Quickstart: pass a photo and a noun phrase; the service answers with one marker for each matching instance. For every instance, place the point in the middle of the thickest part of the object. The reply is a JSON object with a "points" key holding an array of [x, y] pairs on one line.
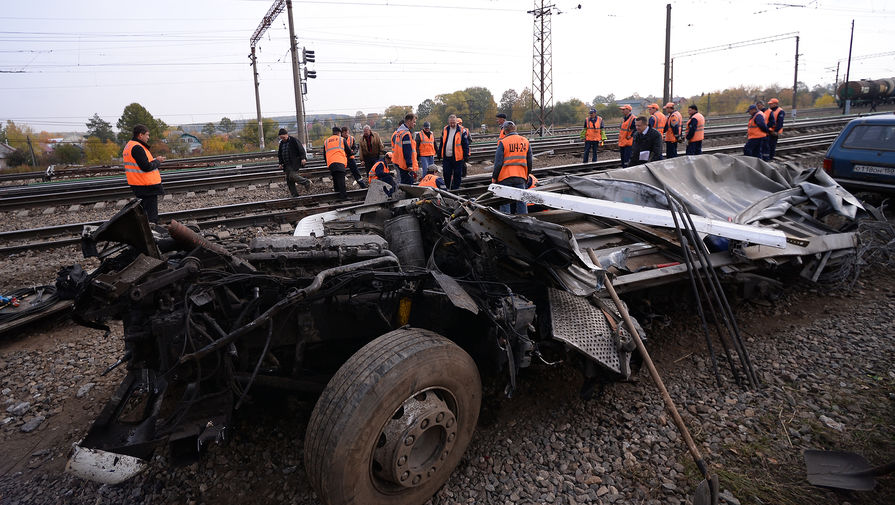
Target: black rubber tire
{"points": [[361, 397]]}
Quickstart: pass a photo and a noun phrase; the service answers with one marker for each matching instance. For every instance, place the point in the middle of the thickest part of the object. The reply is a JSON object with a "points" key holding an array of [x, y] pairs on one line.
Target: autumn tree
{"points": [[99, 128], [135, 114], [394, 114], [100, 152]]}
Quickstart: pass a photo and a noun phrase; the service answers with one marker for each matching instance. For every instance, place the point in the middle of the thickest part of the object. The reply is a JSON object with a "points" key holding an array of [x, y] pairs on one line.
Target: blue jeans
{"points": [[694, 148], [588, 145], [757, 148], [772, 146], [425, 161], [453, 172], [625, 154], [517, 207]]}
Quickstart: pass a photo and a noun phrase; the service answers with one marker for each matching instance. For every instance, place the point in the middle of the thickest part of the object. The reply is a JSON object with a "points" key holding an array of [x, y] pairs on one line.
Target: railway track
{"points": [[290, 210]]}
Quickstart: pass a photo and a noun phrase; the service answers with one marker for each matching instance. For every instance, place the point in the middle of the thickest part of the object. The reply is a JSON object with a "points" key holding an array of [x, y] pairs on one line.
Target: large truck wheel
{"points": [[394, 421]]}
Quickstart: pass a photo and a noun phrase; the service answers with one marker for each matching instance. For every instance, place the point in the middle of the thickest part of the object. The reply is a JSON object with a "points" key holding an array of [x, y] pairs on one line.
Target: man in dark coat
{"points": [[292, 157], [647, 143]]}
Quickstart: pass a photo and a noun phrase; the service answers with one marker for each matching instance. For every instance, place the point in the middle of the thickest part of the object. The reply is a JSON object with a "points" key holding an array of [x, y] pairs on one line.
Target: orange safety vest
{"points": [[515, 157], [754, 132], [398, 150], [626, 132], [135, 176], [659, 121], [699, 134], [674, 121], [458, 141], [349, 141], [594, 128], [502, 134], [372, 177], [334, 150], [427, 144], [767, 114], [776, 114], [429, 181]]}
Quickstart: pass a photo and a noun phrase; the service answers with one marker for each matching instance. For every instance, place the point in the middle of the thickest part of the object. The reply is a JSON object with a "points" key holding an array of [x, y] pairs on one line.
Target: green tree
{"points": [[249, 134], [481, 107], [571, 112], [226, 125], [2, 134], [135, 114], [18, 158], [425, 108], [97, 127], [209, 129], [507, 102], [68, 153], [99, 152], [394, 114]]}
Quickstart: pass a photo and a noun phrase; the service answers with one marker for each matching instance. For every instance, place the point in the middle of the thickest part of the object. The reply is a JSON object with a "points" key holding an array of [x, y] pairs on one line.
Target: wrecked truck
{"points": [[388, 310]]}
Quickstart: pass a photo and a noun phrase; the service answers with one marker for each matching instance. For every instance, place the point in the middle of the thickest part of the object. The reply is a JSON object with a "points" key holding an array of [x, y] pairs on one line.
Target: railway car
{"points": [[867, 91]]}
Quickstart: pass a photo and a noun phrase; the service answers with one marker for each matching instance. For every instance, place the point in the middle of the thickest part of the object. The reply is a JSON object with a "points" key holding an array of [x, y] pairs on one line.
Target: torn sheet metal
{"points": [[455, 292], [583, 326], [103, 466], [641, 214]]}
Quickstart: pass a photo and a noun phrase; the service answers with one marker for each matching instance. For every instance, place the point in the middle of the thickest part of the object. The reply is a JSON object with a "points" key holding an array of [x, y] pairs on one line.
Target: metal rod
{"points": [[847, 105], [795, 80], [665, 82]]}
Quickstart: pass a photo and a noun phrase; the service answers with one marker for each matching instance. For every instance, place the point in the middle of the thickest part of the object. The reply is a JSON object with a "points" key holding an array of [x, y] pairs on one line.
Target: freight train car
{"points": [[867, 91]]}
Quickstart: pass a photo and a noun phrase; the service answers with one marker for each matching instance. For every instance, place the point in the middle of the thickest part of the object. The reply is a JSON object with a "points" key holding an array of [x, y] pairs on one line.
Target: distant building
{"points": [[5, 151], [193, 143], [637, 106]]}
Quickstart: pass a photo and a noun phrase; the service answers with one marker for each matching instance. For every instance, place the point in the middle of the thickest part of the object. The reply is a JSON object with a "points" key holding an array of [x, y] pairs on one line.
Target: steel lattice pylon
{"points": [[542, 69]]}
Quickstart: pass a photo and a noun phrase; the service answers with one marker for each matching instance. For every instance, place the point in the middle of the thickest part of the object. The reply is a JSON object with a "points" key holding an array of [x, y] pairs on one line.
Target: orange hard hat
{"points": [[669, 104], [653, 106]]}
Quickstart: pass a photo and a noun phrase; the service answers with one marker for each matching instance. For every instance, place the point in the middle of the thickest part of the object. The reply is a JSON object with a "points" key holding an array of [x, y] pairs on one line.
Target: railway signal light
{"points": [[308, 56]]}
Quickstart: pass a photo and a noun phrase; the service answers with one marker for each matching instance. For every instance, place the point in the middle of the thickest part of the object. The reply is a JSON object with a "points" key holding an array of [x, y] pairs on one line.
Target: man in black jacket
{"points": [[292, 157], [647, 143]]}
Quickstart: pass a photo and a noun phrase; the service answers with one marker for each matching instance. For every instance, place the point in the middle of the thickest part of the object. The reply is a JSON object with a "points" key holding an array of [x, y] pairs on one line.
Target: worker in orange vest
{"points": [[757, 134], [656, 119], [141, 171], [404, 150], [425, 145], [454, 152], [351, 145], [335, 150], [626, 134], [775, 125], [381, 171], [673, 126], [512, 165], [593, 134], [695, 130], [431, 179], [501, 119]]}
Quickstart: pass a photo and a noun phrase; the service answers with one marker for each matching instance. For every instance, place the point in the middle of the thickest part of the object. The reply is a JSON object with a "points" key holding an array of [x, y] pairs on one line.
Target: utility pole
{"points": [[266, 21], [257, 100], [299, 102], [795, 80], [666, 84], [671, 81], [847, 107], [837, 76], [542, 67], [31, 147]]}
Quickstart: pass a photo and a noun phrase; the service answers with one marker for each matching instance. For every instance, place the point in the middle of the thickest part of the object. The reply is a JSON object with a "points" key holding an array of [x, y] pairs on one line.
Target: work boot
{"points": [[306, 183]]}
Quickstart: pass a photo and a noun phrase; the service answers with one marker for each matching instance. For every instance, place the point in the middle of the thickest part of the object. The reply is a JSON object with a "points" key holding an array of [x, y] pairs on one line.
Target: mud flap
{"points": [[583, 326]]}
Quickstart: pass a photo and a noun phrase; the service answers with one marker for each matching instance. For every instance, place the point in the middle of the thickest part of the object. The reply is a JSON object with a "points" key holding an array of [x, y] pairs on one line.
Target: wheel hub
{"points": [[415, 441]]}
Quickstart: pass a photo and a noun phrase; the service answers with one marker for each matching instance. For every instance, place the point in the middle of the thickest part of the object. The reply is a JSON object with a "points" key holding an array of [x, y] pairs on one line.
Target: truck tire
{"points": [[394, 421]]}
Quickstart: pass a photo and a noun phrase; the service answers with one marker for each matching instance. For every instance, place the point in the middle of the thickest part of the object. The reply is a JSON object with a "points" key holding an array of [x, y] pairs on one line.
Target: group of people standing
{"points": [[765, 127], [640, 138]]}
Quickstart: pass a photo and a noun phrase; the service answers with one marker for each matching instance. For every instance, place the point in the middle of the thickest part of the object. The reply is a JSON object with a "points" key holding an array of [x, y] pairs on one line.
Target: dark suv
{"points": [[863, 156]]}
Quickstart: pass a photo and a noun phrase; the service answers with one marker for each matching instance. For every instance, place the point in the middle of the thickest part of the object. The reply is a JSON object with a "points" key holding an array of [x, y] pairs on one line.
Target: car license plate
{"points": [[868, 169]]}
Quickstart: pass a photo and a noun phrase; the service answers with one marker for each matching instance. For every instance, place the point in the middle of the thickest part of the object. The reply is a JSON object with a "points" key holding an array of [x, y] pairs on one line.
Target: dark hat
{"points": [[427, 124], [502, 115], [753, 106], [593, 110], [283, 132]]}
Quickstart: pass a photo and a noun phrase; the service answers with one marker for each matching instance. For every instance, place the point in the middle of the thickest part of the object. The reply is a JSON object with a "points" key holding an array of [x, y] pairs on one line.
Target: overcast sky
{"points": [[186, 61]]}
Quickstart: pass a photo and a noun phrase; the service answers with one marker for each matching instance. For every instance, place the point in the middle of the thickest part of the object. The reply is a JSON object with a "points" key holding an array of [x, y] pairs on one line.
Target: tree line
{"points": [[475, 105]]}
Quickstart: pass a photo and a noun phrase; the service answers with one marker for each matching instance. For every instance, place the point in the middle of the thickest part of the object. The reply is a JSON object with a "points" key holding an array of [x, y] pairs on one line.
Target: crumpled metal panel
{"points": [[580, 324]]}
